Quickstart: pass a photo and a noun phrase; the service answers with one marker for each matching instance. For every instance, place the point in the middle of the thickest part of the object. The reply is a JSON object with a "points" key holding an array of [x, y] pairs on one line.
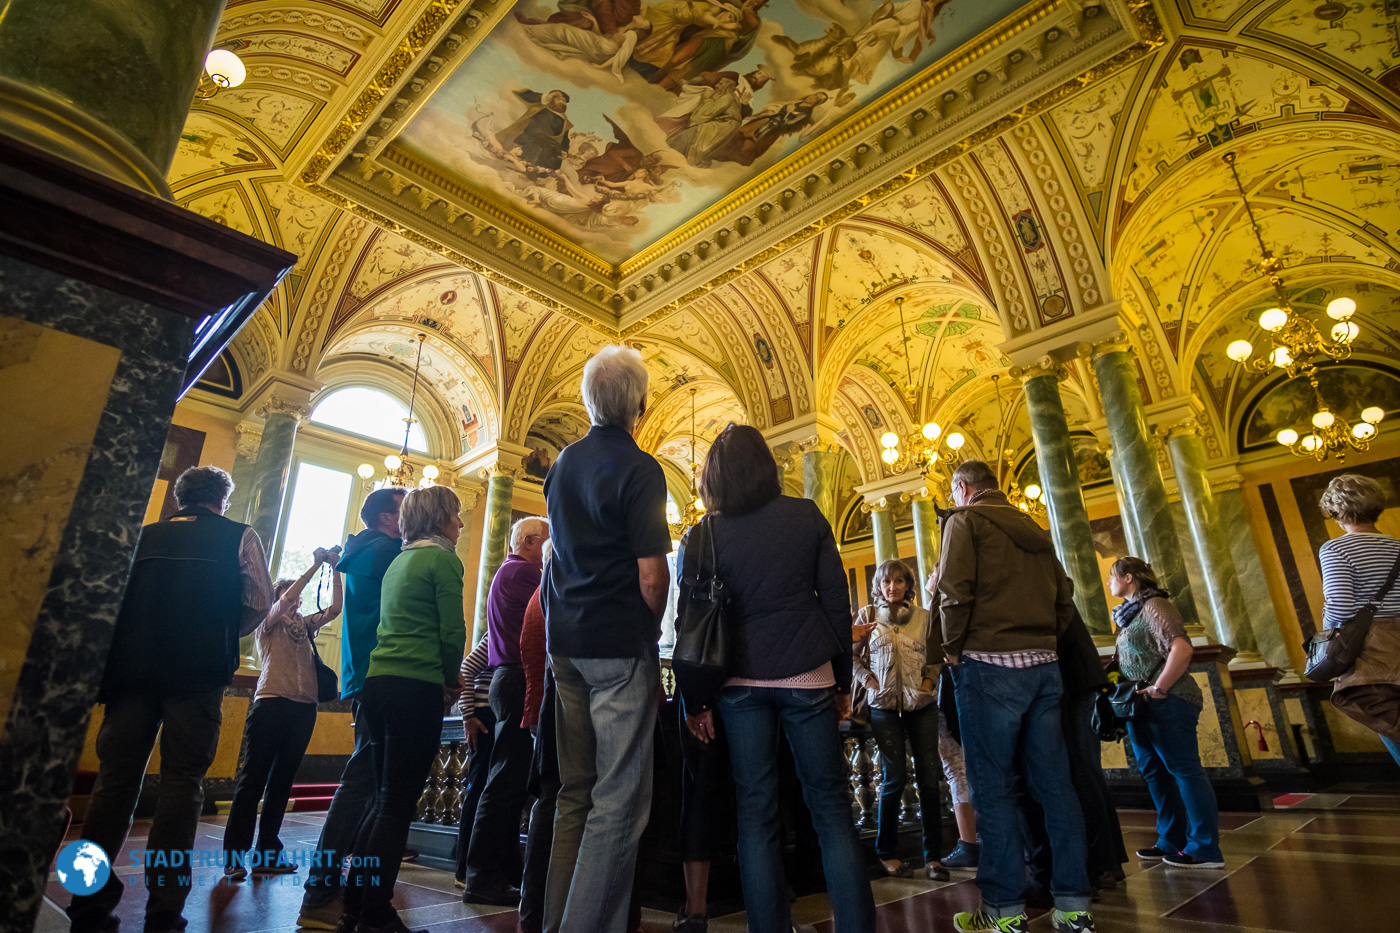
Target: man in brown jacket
{"points": [[1005, 599]]}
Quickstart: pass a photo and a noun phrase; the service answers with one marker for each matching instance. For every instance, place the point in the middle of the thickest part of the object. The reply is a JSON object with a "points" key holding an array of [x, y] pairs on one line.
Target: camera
{"points": [[323, 554]]}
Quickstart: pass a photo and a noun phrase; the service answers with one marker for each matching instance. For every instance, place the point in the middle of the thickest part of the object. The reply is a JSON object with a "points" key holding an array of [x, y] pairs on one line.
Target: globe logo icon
{"points": [[83, 867]]}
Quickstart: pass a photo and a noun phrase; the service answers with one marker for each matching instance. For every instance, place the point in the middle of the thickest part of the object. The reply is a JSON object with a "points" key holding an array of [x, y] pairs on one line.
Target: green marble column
{"points": [[818, 484], [1258, 602], [494, 539], [270, 471], [1131, 532], [245, 456], [882, 523], [104, 83], [1064, 496], [926, 540], [1227, 606], [1141, 478]]}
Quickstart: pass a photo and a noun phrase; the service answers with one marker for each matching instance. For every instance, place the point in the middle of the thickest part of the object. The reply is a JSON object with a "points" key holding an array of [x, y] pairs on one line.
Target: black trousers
{"points": [[278, 732], [544, 783], [405, 733], [493, 857], [707, 793], [1102, 834], [188, 725], [477, 771]]}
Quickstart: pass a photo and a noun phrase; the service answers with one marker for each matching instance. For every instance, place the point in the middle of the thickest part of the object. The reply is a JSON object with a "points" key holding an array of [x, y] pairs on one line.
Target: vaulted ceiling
{"points": [[1009, 177]]}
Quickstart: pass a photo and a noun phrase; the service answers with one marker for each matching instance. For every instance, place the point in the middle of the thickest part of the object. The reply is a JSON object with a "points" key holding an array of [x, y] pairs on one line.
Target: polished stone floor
{"points": [[1311, 863]]}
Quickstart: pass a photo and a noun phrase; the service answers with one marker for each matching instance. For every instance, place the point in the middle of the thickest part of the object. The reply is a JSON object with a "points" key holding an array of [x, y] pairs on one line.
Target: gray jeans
{"points": [[606, 714]]}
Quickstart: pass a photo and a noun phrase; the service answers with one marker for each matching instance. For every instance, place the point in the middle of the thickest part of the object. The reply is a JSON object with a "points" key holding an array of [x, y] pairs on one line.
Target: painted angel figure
{"points": [[607, 52]]}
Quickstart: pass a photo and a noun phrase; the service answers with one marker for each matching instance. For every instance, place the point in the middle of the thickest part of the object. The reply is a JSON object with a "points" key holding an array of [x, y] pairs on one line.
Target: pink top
{"points": [[284, 652], [818, 678]]}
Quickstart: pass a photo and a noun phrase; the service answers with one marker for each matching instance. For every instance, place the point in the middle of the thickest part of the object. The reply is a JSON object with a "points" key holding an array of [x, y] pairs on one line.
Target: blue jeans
{"points": [[349, 806], [920, 728], [752, 717], [605, 719], [1008, 715], [1164, 743]]}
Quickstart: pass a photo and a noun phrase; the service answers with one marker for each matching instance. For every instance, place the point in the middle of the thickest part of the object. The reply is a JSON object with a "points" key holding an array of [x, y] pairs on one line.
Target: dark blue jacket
{"points": [[789, 609]]}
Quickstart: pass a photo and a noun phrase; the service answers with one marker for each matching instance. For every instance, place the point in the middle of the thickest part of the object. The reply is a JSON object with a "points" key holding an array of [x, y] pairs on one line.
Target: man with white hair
{"points": [[604, 594], [493, 864]]}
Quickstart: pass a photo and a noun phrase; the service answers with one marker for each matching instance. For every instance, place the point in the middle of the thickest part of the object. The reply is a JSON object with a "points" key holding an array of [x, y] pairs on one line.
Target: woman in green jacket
{"points": [[413, 678]]}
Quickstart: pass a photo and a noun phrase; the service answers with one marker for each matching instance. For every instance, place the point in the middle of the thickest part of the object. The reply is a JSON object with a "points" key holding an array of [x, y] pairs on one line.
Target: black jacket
{"points": [[1081, 668], [788, 607]]}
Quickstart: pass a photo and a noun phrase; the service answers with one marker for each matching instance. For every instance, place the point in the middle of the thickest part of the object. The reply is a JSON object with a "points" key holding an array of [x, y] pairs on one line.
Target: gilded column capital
{"points": [[817, 444], [882, 504], [1182, 428], [279, 405], [493, 470], [1113, 343], [1045, 366], [922, 494], [469, 493], [249, 437]]}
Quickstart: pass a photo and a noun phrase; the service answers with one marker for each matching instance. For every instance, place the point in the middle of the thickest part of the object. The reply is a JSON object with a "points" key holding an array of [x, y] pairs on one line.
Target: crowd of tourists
{"points": [[983, 674]]}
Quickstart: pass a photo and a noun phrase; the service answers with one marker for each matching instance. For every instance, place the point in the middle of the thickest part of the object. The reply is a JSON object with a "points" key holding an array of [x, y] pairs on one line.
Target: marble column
{"points": [[1227, 606], [270, 470], [1234, 518], [245, 455], [470, 495], [104, 83], [1140, 478], [1131, 533], [1062, 493], [882, 524], [500, 488], [818, 483], [926, 538]]}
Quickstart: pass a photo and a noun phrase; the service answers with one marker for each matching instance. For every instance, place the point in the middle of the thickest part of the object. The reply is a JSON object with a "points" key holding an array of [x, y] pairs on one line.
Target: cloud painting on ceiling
{"points": [[613, 121]]}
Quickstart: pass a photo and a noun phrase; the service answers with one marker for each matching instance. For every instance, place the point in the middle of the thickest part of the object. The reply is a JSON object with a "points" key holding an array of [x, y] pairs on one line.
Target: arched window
{"points": [[369, 413]]}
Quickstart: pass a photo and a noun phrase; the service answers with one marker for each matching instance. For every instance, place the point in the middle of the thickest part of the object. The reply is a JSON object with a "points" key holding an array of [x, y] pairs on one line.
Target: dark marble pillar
{"points": [[495, 534], [1208, 536], [104, 286], [1141, 477], [1131, 533], [1062, 493]]}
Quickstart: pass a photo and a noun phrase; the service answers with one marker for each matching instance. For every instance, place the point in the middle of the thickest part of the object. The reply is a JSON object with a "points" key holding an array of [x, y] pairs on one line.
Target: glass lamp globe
{"points": [[1273, 319], [424, 483], [1281, 358], [225, 68], [365, 471], [1363, 431], [1323, 419], [1345, 332], [1288, 437], [956, 441], [699, 506], [888, 455], [430, 472], [673, 514], [889, 439], [1032, 491], [392, 462], [1341, 308], [1373, 414], [1311, 442], [932, 430], [1239, 351]]}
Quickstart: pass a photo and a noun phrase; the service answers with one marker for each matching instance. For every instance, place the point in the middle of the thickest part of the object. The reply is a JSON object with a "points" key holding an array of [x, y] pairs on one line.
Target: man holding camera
{"points": [[366, 558]]}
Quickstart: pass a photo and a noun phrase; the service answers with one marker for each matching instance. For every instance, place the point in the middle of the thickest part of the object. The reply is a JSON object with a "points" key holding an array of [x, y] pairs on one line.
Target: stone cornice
{"points": [[1061, 341]]}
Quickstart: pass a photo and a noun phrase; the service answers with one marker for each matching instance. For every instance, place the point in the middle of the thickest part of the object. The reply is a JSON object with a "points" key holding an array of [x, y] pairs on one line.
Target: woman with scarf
{"points": [[1153, 650], [898, 664]]}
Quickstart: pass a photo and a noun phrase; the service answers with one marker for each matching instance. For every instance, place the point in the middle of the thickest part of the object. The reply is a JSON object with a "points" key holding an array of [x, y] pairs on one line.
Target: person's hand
{"points": [[860, 631], [318, 557], [1154, 691], [931, 584], [843, 707], [702, 726], [872, 684], [471, 728], [333, 558], [951, 659], [452, 692]]}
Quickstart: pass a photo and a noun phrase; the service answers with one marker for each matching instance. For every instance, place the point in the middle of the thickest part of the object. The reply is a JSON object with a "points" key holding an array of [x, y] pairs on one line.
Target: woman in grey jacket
{"points": [[897, 664]]}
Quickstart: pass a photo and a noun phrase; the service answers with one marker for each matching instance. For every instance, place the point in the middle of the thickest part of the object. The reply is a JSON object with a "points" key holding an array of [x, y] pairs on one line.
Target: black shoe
{"points": [[964, 855], [1105, 880], [508, 896], [1152, 854], [690, 923], [280, 867], [235, 873], [935, 872], [1186, 861], [347, 924]]}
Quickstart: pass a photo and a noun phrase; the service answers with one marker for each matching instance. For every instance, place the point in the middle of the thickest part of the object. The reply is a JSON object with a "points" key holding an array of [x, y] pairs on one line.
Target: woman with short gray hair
{"points": [[615, 387], [1355, 568]]}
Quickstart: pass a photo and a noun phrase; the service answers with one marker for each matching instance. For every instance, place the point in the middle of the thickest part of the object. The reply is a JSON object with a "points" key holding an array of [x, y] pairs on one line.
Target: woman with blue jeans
{"points": [[1153, 650], [789, 675]]}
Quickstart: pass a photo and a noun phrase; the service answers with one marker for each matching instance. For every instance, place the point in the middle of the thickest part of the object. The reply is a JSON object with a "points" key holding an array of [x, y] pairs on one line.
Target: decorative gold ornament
{"points": [[1329, 435], [398, 471], [679, 519]]}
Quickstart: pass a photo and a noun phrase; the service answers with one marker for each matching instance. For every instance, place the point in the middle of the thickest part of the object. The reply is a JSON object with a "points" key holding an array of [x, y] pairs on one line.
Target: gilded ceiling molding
{"points": [[1043, 367], [350, 233]]}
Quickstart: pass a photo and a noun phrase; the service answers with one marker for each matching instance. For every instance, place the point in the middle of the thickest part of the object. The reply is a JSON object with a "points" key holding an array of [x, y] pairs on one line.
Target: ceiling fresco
{"points": [[1060, 192], [612, 122]]}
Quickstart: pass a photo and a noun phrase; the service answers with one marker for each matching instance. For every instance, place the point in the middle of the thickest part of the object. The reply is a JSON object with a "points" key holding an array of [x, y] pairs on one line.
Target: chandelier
{"points": [[1027, 500], [398, 471], [1294, 341], [920, 451], [694, 508], [1330, 435], [222, 69]]}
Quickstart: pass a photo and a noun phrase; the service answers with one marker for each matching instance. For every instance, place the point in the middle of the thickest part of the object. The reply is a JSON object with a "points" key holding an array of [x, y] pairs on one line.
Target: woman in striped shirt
{"points": [[1355, 569]]}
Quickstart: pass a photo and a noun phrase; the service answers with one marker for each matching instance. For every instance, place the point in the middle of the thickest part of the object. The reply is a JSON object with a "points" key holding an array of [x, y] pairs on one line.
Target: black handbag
{"points": [[700, 658], [327, 684], [1104, 719], [1127, 703], [1332, 653]]}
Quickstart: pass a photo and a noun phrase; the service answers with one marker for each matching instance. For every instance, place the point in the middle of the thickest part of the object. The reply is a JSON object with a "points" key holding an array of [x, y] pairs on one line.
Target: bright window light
{"points": [[369, 413]]}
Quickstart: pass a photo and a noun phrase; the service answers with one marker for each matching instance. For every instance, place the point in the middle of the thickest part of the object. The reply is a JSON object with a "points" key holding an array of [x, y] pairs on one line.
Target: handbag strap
{"points": [[1386, 587]]}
